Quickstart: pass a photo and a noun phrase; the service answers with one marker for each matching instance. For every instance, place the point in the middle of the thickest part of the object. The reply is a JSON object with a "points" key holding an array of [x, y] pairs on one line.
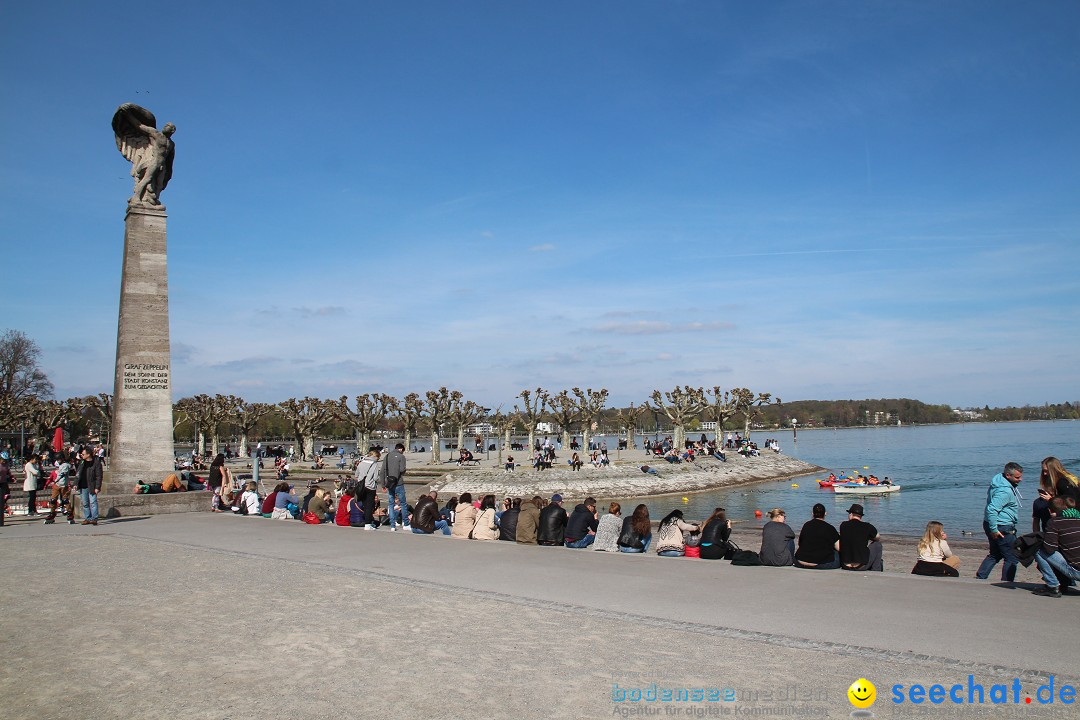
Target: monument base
{"points": [[114, 505]]}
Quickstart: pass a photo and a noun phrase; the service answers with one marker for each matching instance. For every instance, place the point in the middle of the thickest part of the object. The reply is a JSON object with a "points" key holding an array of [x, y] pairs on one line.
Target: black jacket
{"points": [[425, 514], [715, 533], [629, 538], [89, 474], [508, 525], [580, 523], [552, 525]]}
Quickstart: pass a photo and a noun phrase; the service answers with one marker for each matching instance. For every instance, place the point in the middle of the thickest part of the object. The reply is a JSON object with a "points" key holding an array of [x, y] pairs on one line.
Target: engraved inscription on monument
{"points": [[145, 376]]}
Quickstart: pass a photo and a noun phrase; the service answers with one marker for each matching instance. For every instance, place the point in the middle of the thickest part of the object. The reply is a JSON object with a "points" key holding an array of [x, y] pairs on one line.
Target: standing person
{"points": [[89, 475], [999, 522], [32, 468], [860, 543], [216, 482], [367, 485], [393, 468], [61, 490], [5, 488], [777, 540]]}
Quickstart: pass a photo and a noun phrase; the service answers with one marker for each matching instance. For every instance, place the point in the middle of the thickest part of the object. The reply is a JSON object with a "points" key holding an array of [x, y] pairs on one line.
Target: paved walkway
{"points": [[210, 616]]}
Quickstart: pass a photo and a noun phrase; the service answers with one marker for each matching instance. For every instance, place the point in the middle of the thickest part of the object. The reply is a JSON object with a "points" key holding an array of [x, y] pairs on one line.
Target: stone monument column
{"points": [[142, 426], [141, 450]]}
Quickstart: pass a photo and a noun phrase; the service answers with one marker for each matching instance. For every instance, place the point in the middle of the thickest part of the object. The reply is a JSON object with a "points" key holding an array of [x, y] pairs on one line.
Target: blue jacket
{"points": [[1002, 507]]}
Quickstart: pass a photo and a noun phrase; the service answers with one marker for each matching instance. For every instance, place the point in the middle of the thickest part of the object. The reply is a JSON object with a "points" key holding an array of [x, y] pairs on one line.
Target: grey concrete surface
{"points": [[211, 616]]}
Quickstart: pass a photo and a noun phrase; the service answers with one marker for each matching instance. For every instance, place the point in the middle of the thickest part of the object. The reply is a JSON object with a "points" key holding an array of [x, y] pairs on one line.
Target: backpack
{"points": [[738, 556]]}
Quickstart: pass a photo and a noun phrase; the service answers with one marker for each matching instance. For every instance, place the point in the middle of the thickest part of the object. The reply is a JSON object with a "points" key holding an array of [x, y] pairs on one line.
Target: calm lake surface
{"points": [[944, 471]]}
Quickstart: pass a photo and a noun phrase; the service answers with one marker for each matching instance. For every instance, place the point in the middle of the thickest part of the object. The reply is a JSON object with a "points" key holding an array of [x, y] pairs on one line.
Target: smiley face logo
{"points": [[862, 693]]}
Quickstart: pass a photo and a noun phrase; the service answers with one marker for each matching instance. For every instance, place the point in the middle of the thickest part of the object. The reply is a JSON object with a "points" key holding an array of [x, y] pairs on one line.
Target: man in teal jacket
{"points": [[999, 522]]}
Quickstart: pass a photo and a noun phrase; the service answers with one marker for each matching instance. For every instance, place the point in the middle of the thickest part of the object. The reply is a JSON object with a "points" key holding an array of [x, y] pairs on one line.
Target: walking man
{"points": [[89, 477], [999, 522], [394, 482]]}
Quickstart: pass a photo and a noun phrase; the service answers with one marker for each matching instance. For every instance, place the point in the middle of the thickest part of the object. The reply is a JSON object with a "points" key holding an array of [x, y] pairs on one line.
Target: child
{"points": [[935, 557]]}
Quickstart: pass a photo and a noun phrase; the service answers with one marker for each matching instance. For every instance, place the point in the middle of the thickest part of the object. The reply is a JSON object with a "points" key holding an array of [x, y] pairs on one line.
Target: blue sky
{"points": [[817, 199]]}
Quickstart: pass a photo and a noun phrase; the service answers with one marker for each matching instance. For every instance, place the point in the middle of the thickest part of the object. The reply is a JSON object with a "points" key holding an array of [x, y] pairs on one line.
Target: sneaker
{"points": [[369, 527], [70, 521], [1047, 591], [393, 528], [47, 521], [85, 522]]}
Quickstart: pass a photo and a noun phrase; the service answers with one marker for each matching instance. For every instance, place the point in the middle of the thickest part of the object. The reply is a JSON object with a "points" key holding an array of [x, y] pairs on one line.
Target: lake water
{"points": [[944, 471]]}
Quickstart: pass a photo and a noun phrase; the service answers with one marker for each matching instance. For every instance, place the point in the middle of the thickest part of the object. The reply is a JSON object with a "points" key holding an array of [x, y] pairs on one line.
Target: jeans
{"points": [[439, 525], [582, 543], [635, 550], [831, 565], [1055, 570], [89, 504], [1000, 549], [398, 491], [670, 553]]}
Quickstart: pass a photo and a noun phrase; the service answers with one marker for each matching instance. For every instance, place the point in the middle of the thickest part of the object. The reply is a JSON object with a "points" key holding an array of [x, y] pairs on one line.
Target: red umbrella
{"points": [[58, 440]]}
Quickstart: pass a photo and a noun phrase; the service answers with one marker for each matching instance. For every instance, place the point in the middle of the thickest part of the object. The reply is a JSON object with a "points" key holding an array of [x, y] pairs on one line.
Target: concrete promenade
{"points": [[212, 616]]}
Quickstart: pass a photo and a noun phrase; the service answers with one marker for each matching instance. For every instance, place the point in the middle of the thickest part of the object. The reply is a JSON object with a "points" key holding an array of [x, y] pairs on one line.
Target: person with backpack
{"points": [[366, 485], [393, 480], [61, 491]]}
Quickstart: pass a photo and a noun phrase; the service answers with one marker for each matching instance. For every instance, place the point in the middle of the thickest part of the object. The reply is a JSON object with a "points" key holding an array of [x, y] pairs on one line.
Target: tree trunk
{"points": [[408, 440], [214, 443], [630, 444], [565, 439], [460, 437], [242, 450], [532, 438], [309, 447], [746, 429], [679, 436], [201, 443], [364, 442], [436, 456], [585, 438]]}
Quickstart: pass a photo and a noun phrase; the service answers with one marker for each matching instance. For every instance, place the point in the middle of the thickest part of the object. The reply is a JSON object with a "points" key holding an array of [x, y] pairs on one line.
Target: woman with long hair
{"points": [[935, 557], [485, 526], [636, 531], [464, 517], [670, 541], [714, 535], [1054, 481]]}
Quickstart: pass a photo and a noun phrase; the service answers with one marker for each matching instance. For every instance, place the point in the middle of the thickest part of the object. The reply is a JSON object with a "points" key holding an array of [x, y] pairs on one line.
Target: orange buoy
{"points": [[757, 513]]}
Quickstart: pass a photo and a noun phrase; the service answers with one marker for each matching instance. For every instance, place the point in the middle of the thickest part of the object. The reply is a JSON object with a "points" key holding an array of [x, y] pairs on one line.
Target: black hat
{"points": [[856, 509]]}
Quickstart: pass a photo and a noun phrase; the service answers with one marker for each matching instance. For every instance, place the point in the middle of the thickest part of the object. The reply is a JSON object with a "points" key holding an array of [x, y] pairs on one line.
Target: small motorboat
{"points": [[858, 489]]}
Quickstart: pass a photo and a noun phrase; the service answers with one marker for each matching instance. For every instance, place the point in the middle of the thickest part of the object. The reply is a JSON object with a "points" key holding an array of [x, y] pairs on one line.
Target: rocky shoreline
{"points": [[624, 477]]}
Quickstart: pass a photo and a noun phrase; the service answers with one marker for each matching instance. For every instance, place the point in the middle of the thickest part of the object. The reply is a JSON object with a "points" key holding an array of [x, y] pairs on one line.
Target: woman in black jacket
{"points": [[714, 535], [636, 531]]}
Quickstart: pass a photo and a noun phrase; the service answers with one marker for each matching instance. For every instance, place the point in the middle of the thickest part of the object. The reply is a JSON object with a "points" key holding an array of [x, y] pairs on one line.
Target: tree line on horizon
{"points": [[26, 402]]}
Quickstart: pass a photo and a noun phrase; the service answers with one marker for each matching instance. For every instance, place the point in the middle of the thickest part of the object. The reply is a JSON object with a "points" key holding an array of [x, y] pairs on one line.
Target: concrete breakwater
{"points": [[624, 478]]}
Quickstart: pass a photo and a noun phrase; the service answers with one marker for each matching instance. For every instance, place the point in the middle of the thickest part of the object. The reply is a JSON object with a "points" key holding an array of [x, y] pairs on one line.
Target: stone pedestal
{"points": [[141, 447]]}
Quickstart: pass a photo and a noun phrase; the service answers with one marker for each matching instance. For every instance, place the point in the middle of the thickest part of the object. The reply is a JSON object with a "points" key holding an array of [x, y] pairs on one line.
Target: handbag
{"points": [[310, 518]]}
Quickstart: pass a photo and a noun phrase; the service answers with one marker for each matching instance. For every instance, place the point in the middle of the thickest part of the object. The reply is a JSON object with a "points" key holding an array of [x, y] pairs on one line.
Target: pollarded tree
{"points": [[200, 410], [502, 423], [680, 406], [721, 406], [408, 413], [371, 411], [628, 420], [437, 406], [535, 403], [307, 417], [463, 414], [748, 405], [590, 404], [219, 411], [245, 416], [565, 411]]}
